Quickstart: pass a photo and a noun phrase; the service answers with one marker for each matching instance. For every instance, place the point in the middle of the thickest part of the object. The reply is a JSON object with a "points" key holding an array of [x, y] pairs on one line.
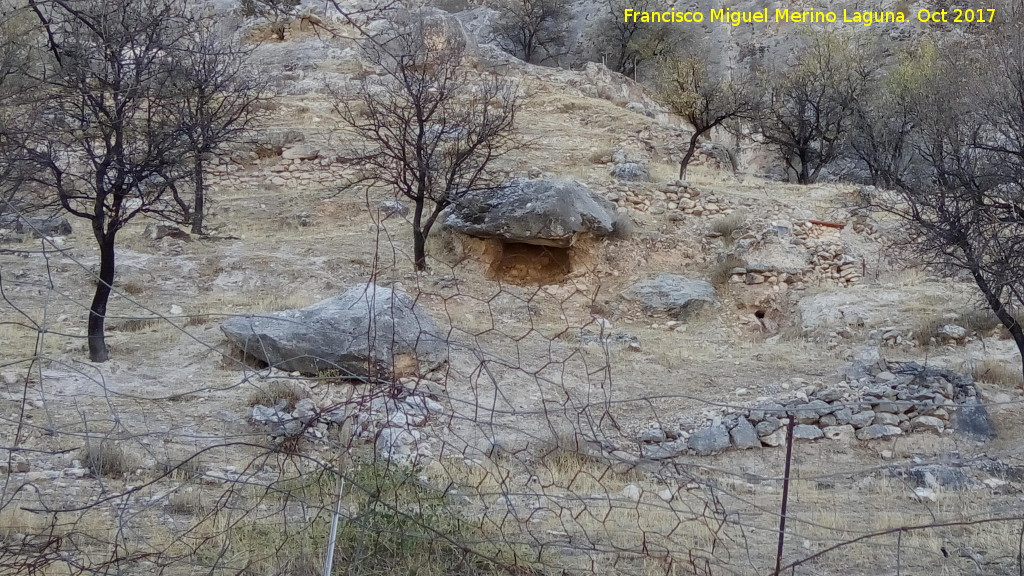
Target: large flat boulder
{"points": [[671, 295], [369, 330], [543, 211]]}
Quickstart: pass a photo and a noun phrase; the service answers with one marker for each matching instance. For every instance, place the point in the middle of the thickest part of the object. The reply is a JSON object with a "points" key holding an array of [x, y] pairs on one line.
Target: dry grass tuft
{"points": [[622, 228], [136, 324], [133, 288], [188, 501], [997, 372], [14, 520], [279, 390], [722, 271], [107, 458], [726, 226], [978, 320], [926, 329]]}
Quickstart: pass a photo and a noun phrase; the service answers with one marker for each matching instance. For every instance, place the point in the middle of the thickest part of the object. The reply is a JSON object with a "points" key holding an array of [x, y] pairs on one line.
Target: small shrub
{"points": [[928, 328], [136, 324], [133, 288], [107, 458], [273, 393], [726, 226], [186, 501], [722, 271], [622, 228], [997, 372], [977, 320]]}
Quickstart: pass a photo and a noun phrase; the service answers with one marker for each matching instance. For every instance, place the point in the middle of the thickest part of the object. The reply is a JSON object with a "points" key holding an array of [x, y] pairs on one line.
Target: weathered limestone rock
{"points": [[709, 440], [673, 295], [545, 212], [369, 330]]}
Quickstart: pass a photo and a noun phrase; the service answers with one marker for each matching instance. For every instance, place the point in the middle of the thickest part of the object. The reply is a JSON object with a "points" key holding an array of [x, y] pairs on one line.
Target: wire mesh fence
{"points": [[543, 440]]}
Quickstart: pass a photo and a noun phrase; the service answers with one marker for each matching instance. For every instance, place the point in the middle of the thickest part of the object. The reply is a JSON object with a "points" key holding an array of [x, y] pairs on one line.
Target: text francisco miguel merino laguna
{"points": [[866, 18]]}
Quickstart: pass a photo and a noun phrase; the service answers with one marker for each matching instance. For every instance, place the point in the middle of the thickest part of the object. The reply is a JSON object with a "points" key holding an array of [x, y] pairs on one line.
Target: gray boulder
{"points": [[43, 227], [367, 331], [393, 208], [543, 211], [876, 431], [631, 172], [807, 432], [709, 440], [937, 475], [744, 435], [670, 294], [972, 420], [300, 152]]}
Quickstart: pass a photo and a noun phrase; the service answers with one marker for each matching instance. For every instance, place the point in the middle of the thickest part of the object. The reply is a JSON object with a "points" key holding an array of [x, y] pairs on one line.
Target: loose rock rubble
{"points": [[393, 421], [675, 197], [903, 398]]}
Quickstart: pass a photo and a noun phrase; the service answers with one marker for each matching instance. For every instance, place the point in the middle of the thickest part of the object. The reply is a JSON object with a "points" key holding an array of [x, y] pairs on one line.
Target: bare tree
{"points": [[111, 142], [624, 45], [532, 30], [218, 93], [808, 112], [277, 11], [960, 189], [19, 55], [430, 127], [692, 90]]}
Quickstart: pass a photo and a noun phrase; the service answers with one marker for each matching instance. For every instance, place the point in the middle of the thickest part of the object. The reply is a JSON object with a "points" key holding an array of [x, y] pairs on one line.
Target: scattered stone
{"points": [[673, 295], [877, 431], [885, 418], [744, 435], [925, 494], [767, 426], [972, 420], [807, 432], [423, 405], [929, 423], [776, 438], [367, 331], [952, 333], [300, 152], [397, 444], [994, 483], [862, 419], [155, 231], [938, 476], [652, 436], [663, 451], [16, 465], [709, 440], [632, 492], [844, 433], [43, 227], [393, 208], [631, 172]]}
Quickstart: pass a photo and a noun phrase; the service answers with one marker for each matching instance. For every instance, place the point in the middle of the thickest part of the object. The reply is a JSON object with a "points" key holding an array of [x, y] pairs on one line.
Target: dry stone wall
{"points": [[902, 398]]}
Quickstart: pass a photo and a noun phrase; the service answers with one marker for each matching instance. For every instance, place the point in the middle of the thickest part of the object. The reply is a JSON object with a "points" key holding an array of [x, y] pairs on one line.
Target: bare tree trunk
{"points": [[804, 177], [98, 310], [1007, 319], [419, 237], [685, 162], [199, 206]]}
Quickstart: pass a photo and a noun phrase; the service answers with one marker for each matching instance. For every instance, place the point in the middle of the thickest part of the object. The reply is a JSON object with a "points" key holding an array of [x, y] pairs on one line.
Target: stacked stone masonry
{"points": [[905, 398]]}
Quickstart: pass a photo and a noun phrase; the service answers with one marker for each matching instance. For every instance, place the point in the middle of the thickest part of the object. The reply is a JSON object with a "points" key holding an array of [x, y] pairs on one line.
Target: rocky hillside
{"points": [[599, 372]]}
